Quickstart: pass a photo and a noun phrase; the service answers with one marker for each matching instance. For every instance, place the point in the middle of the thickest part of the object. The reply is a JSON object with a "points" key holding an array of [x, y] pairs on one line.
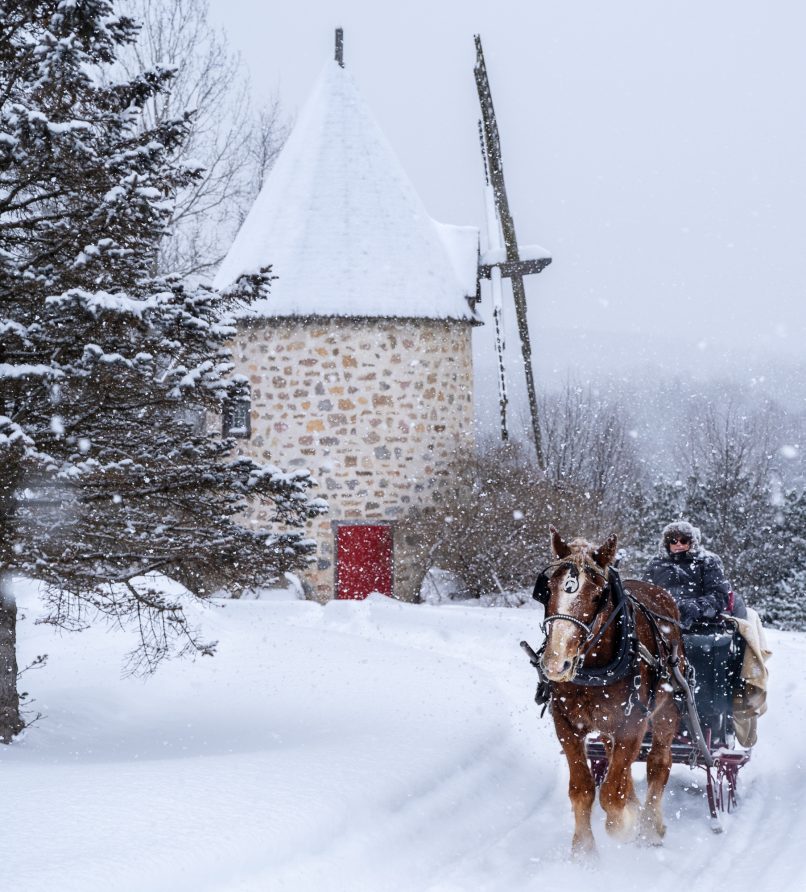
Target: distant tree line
{"points": [[735, 472]]}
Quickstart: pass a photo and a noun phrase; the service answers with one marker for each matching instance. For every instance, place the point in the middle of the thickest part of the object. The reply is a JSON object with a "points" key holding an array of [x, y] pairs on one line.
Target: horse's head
{"points": [[575, 584]]}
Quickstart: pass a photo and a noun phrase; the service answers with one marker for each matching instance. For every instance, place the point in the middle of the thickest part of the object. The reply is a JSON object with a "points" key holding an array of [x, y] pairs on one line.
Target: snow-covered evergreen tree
{"points": [[759, 534], [647, 513], [782, 602], [107, 375], [784, 607]]}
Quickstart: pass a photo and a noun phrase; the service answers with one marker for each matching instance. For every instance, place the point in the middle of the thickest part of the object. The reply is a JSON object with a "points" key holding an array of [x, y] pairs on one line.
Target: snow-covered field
{"points": [[359, 746]]}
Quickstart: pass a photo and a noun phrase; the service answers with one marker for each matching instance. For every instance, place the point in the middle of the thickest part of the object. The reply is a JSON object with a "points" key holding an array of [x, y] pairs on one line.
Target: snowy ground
{"points": [[360, 746]]}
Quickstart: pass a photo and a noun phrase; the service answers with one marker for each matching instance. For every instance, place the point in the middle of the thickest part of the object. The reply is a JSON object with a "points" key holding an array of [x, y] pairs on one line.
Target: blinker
{"points": [[541, 591]]}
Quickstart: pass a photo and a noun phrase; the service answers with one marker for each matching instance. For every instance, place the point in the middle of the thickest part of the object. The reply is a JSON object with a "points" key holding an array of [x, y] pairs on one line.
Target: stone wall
{"points": [[374, 408]]}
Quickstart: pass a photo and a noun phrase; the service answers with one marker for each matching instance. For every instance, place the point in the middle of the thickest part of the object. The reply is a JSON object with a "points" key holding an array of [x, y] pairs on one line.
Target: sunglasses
{"points": [[681, 540]]}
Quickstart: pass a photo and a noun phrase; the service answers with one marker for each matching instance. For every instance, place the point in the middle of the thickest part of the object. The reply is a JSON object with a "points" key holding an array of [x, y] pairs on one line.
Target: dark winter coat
{"points": [[695, 577]]}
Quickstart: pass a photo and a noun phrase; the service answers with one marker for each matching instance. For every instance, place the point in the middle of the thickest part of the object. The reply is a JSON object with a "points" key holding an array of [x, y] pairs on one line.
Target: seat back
{"points": [[711, 655]]}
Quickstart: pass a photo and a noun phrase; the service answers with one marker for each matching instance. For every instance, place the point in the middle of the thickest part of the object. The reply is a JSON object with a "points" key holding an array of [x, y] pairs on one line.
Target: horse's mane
{"points": [[582, 554], [657, 599]]}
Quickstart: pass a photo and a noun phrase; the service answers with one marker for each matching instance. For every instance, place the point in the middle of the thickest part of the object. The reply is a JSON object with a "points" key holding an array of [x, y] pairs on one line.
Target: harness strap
{"points": [[543, 693], [600, 634], [571, 619], [661, 661], [656, 616], [646, 655]]}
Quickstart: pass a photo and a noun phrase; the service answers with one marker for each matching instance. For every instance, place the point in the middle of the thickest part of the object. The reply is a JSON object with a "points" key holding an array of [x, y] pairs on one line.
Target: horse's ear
{"points": [[560, 549], [606, 554]]}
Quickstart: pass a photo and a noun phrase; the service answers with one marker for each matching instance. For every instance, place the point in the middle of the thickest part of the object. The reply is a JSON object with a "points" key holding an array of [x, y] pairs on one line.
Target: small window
{"points": [[237, 420], [195, 419]]}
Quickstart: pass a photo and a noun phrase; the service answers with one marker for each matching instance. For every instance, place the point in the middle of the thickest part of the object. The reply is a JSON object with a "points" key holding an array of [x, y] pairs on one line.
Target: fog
{"points": [[657, 152]]}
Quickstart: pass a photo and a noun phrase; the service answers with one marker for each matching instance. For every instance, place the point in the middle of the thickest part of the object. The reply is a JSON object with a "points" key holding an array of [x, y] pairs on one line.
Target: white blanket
{"points": [[750, 696]]}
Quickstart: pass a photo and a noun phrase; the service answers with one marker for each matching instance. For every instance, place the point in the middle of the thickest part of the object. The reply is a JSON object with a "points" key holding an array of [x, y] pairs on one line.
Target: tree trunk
{"points": [[11, 721]]}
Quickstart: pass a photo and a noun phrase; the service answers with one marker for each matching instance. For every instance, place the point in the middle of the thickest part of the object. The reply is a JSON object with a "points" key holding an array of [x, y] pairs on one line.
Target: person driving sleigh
{"points": [[692, 574]]}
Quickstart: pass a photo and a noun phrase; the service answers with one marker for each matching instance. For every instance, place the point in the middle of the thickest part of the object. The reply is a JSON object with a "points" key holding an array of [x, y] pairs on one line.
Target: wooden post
{"points": [[492, 142]]}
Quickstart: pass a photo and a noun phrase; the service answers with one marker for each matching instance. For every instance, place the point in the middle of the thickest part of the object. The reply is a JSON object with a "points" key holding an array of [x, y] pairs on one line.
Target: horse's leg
{"points": [[617, 795], [658, 766], [581, 788]]}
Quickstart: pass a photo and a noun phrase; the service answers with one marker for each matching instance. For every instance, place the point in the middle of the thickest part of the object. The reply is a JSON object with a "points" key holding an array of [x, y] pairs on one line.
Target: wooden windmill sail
{"points": [[504, 258]]}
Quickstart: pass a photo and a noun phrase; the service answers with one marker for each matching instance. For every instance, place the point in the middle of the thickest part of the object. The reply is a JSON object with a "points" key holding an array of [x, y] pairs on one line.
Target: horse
{"points": [[606, 661]]}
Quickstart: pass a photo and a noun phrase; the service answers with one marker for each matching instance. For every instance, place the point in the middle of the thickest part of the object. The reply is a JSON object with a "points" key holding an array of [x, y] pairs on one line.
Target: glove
{"points": [[689, 614]]}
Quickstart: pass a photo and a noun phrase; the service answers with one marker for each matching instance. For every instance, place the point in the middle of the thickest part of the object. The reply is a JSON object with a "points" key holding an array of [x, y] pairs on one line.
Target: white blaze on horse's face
{"points": [[564, 637]]}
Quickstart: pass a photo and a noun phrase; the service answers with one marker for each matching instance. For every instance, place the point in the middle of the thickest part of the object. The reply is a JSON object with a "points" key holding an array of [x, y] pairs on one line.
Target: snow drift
{"points": [[361, 746]]}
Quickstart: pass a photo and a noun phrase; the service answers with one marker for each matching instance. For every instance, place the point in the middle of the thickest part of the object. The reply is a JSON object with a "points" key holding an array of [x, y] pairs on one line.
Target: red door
{"points": [[363, 560]]}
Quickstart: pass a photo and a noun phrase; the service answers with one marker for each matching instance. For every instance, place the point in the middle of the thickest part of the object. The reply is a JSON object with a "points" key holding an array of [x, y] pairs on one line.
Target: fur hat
{"points": [[680, 528]]}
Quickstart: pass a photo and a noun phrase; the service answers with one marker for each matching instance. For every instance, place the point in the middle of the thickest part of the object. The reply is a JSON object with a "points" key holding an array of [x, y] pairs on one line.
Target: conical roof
{"points": [[343, 227]]}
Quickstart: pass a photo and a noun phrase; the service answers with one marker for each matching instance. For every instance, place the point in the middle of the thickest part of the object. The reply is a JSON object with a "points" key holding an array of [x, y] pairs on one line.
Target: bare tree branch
{"points": [[232, 142]]}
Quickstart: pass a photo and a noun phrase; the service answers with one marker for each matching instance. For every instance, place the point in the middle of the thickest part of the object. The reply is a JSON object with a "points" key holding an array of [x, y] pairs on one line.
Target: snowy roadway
{"points": [[361, 746]]}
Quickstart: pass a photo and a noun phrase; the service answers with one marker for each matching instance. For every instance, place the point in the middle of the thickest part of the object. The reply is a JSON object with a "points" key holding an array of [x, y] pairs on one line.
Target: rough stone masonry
{"points": [[375, 409]]}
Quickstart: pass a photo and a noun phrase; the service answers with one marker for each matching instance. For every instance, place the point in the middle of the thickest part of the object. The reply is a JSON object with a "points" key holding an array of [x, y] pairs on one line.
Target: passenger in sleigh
{"points": [[694, 576], [696, 579]]}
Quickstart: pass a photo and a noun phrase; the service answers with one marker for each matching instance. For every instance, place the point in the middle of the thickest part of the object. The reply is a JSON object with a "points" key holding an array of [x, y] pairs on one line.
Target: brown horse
{"points": [[625, 697]]}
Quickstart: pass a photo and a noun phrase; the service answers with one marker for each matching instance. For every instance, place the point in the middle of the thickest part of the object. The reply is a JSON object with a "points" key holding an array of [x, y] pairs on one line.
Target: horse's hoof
{"points": [[651, 833], [623, 827], [585, 857], [650, 840], [584, 850]]}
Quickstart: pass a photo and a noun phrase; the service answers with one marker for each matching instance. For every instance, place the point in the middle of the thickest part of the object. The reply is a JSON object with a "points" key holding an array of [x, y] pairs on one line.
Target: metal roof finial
{"points": [[340, 46]]}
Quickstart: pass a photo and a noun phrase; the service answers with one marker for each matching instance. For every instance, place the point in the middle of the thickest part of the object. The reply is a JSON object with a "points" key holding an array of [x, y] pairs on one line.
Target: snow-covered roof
{"points": [[343, 227]]}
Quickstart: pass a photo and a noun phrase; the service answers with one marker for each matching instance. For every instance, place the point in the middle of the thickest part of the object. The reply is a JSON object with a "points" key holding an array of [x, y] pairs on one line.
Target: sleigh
{"points": [[715, 658]]}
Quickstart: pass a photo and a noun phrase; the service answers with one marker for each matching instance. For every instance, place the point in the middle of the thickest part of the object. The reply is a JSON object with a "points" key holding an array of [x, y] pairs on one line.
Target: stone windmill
{"points": [[360, 359]]}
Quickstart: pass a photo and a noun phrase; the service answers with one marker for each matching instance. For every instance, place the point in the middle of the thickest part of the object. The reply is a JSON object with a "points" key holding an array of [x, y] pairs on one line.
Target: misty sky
{"points": [[657, 150]]}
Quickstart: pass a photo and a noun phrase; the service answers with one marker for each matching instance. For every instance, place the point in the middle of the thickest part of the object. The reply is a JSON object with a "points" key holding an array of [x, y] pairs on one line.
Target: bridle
{"points": [[571, 586]]}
